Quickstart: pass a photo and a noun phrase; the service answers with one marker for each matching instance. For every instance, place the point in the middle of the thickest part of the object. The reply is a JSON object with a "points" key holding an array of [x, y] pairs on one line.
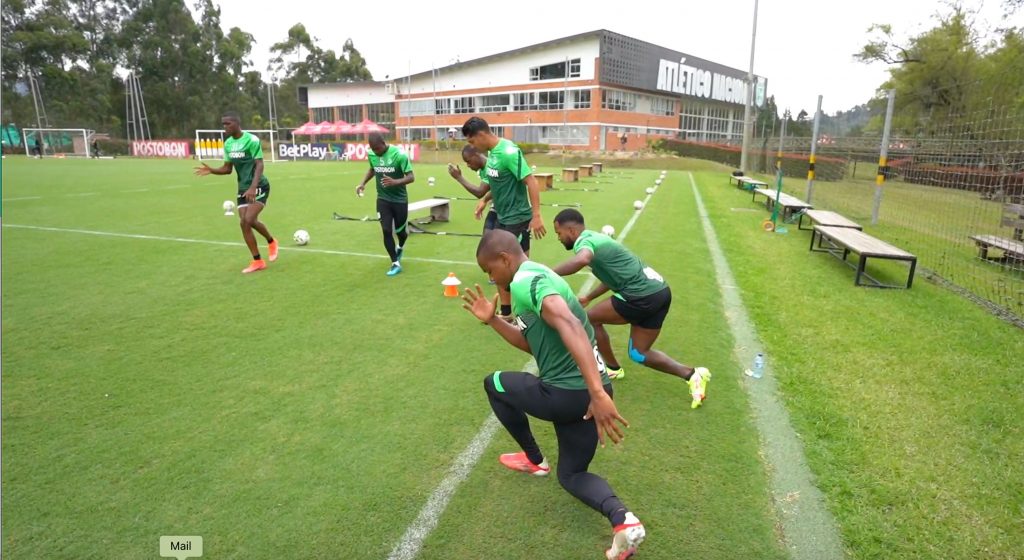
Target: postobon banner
{"points": [[161, 148]]}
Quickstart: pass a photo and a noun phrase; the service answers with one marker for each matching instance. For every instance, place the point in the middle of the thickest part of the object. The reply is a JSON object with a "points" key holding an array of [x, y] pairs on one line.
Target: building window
{"points": [[580, 99], [663, 106], [443, 106], [492, 103], [550, 100], [556, 71], [321, 114], [463, 105], [616, 100], [351, 113], [416, 107], [381, 113], [411, 134]]}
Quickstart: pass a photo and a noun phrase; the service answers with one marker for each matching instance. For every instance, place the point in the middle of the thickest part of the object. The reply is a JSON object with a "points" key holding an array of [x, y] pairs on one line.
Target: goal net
{"points": [[210, 144], [57, 142]]}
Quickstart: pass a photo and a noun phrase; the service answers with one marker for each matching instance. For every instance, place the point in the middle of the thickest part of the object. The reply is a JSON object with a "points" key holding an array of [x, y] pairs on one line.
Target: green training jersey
{"points": [[618, 268], [532, 283], [395, 164], [242, 153], [505, 171]]}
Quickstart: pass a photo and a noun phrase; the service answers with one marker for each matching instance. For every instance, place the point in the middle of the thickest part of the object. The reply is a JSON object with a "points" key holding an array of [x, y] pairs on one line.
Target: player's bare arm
{"points": [[575, 264], [389, 182], [555, 312], [204, 170], [483, 308]]}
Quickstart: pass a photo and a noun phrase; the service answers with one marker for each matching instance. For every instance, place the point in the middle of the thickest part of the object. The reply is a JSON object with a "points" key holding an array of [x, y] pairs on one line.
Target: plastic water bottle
{"points": [[758, 366]]}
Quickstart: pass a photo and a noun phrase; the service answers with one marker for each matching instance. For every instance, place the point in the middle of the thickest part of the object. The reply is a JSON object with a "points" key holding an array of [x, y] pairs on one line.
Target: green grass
{"points": [[935, 224], [309, 410], [908, 401]]}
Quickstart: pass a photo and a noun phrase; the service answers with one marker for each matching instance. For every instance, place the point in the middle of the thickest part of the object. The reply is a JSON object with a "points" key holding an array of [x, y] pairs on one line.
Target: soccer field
{"points": [[312, 409]]}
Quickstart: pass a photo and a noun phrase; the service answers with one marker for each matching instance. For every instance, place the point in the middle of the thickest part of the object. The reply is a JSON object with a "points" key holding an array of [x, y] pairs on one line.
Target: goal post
{"points": [[57, 142], [210, 144]]}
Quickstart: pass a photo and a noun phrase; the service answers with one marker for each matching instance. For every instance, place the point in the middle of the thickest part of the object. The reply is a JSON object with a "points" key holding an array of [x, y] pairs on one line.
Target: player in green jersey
{"points": [[512, 186], [244, 154], [476, 162], [393, 171], [640, 297], [570, 390]]}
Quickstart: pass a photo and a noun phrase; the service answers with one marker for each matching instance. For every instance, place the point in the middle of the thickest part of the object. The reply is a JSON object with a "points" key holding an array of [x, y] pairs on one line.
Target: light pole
{"points": [[749, 97]]}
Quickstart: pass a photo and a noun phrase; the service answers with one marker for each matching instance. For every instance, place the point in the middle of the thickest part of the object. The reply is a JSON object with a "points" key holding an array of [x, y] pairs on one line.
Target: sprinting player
{"points": [[476, 162], [513, 188], [640, 297], [393, 171], [243, 153], [571, 389]]}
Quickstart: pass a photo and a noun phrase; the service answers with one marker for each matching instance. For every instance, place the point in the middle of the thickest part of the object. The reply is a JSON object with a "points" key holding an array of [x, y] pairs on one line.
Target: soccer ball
{"points": [[637, 204], [608, 230], [430, 181], [650, 190], [657, 181], [228, 207], [301, 237]]}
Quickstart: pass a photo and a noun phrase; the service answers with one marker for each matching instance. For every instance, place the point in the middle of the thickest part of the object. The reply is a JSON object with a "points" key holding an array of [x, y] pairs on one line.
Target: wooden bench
{"points": [[439, 208], [570, 174], [546, 180], [598, 166], [843, 240], [746, 183], [586, 171], [826, 218], [1012, 250], [789, 203]]}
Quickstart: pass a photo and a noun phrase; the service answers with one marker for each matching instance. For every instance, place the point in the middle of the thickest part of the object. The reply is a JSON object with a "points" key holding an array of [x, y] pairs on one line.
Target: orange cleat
{"points": [[272, 249], [254, 266], [520, 462]]}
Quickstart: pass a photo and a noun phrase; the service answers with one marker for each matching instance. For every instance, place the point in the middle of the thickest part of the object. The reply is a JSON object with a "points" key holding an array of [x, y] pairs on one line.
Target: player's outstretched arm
{"points": [[537, 222], [576, 263], [204, 170], [478, 212], [597, 292], [475, 190], [555, 312], [482, 308]]}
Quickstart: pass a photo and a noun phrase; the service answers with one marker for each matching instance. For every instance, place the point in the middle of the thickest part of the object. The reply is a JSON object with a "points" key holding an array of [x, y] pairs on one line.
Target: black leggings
{"points": [[514, 394], [393, 220]]}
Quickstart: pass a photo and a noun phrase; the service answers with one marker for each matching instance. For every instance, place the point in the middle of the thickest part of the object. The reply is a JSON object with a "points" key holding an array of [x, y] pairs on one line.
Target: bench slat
{"points": [[830, 218], [1008, 245], [862, 243], [428, 203]]}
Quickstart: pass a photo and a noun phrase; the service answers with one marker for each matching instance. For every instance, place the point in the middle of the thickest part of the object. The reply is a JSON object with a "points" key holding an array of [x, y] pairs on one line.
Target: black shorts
{"points": [[491, 220], [647, 312], [262, 194], [521, 231]]}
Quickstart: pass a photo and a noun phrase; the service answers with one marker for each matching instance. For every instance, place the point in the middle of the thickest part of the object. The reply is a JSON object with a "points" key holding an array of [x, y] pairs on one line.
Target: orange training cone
{"points": [[451, 285]]}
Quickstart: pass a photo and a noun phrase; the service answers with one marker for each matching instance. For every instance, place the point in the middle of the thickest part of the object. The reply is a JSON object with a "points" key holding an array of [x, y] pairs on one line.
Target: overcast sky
{"points": [[804, 47]]}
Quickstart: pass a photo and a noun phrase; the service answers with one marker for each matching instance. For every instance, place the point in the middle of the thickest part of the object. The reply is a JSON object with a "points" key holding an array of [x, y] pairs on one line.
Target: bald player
{"points": [[570, 390]]}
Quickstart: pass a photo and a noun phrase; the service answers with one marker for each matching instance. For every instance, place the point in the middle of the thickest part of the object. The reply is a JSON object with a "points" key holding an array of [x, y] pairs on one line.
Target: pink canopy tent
{"points": [[305, 129], [367, 126], [342, 127]]}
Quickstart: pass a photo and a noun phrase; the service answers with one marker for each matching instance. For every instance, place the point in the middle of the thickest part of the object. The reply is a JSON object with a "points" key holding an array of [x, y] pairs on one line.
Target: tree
{"points": [[933, 75], [311, 64]]}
